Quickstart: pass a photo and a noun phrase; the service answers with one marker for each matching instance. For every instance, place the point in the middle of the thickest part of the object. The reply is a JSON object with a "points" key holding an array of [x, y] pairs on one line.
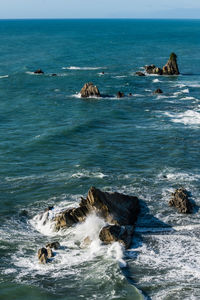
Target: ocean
{"points": [[55, 146]]}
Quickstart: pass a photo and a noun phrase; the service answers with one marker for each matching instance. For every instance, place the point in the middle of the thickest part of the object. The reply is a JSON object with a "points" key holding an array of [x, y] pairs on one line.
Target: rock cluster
{"points": [[117, 209], [171, 67], [89, 90], [181, 201]]}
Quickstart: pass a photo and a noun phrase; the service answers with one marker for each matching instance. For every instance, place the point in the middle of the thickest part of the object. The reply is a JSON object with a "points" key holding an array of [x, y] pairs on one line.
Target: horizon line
{"points": [[105, 18]]}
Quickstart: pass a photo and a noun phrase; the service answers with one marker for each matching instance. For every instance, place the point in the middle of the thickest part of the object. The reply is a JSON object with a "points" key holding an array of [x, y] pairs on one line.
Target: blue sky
{"points": [[99, 9]]}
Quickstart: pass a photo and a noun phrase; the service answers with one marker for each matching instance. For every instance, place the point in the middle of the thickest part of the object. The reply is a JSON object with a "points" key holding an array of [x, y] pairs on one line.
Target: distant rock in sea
{"points": [[158, 91], [39, 71], [90, 90], [171, 67]]}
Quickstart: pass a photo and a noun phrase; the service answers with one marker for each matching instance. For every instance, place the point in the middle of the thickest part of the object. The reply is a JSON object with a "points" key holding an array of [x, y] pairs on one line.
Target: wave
{"points": [[82, 68], [156, 80], [189, 117], [4, 76], [188, 98]]}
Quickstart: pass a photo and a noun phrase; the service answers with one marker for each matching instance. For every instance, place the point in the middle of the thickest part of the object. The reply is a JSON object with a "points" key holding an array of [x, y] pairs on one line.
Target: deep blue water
{"points": [[55, 145]]}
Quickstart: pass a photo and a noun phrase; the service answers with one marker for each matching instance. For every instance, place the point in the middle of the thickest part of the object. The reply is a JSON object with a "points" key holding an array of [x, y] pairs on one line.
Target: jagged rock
{"points": [[49, 253], [89, 90], [140, 73], [181, 201], [115, 208], [158, 91], [116, 233], [39, 71], [120, 94], [171, 67], [54, 245], [43, 255]]}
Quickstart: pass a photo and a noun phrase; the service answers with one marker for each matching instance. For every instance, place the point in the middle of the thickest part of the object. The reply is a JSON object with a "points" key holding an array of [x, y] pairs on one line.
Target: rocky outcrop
{"points": [[171, 67], [158, 91], [115, 208], [54, 245], [116, 233], [43, 255], [39, 71], [89, 90], [181, 201]]}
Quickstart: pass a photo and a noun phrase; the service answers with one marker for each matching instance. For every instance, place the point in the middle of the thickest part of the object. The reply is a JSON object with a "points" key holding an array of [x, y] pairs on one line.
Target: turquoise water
{"points": [[55, 145]]}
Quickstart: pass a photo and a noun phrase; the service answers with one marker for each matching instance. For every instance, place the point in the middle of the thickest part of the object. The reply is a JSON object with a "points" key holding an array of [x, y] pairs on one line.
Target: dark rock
{"points": [[116, 233], [54, 74], [158, 91], [115, 208], [120, 95], [171, 67], [181, 201], [48, 208], [43, 255], [54, 245], [140, 73], [39, 71], [90, 90]]}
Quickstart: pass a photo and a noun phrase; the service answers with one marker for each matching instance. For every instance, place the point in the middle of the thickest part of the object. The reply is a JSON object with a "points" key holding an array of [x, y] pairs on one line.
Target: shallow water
{"points": [[55, 145]]}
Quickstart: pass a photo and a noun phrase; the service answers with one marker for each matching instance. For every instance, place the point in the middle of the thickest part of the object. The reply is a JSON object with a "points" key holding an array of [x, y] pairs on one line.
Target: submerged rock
{"points": [[115, 208], [171, 67], [89, 90], [39, 71], [158, 91], [116, 233], [181, 201]]}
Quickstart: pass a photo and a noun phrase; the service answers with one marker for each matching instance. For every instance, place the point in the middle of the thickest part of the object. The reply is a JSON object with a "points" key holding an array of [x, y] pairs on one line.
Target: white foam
{"points": [[188, 117], [120, 76], [88, 174], [156, 80], [4, 76], [81, 68], [188, 98], [180, 85]]}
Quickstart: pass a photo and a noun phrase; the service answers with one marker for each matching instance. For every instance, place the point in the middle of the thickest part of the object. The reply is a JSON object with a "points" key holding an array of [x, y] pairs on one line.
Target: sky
{"points": [[20, 9]]}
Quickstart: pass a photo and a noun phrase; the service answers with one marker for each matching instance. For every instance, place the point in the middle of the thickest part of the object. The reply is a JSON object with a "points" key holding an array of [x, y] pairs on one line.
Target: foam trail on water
{"points": [[4, 76], [81, 68]]}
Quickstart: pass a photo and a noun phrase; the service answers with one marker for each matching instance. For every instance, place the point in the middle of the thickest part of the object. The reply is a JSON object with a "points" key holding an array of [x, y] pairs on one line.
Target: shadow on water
{"points": [[146, 223]]}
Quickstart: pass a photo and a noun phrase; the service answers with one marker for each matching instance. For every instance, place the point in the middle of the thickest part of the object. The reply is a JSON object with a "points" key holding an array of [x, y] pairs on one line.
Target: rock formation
{"points": [[54, 245], [181, 201], [89, 90], [39, 71], [139, 73], [117, 209], [158, 91], [171, 67], [43, 255]]}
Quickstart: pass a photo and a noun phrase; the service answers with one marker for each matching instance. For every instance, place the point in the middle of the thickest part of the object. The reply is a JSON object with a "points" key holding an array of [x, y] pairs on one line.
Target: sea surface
{"points": [[54, 146]]}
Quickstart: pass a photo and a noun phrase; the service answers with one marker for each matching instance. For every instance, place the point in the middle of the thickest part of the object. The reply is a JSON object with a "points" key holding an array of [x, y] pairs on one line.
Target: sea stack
{"points": [[171, 67], [181, 201], [90, 90]]}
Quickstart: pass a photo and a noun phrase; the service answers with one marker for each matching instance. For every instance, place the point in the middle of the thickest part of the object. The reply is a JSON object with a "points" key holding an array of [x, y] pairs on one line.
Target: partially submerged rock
{"points": [[158, 91], [181, 201], [54, 245], [139, 73], [171, 67], [115, 208], [39, 71], [120, 94], [43, 255], [116, 233], [89, 90]]}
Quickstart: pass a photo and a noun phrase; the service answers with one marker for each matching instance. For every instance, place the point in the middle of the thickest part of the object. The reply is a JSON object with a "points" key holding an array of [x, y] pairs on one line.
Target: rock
{"points": [[140, 73], [43, 255], [86, 242], [54, 245], [158, 91], [48, 208], [89, 90], [39, 71], [115, 208], [49, 253], [116, 233], [171, 67], [120, 95], [181, 201], [54, 74]]}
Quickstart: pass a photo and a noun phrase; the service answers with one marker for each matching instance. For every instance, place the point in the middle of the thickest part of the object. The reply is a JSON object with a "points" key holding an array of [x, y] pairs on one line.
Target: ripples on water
{"points": [[55, 145]]}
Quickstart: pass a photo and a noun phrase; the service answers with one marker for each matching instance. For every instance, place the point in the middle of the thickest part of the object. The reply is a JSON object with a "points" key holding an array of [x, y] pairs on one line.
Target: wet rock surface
{"points": [[90, 90], [180, 200]]}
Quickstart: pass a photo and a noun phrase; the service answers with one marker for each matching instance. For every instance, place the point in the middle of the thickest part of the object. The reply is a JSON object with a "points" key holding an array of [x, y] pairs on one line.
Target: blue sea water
{"points": [[55, 145]]}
